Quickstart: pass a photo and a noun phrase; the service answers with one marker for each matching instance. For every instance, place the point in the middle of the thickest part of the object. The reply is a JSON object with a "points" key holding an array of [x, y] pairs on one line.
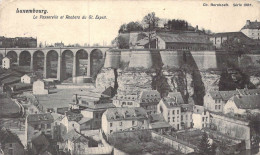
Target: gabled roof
{"points": [[40, 117], [247, 101], [176, 95], [6, 136], [158, 121]]}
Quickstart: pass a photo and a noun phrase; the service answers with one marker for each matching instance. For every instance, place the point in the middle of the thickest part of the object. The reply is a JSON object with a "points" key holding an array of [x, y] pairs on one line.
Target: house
{"points": [[41, 145], [252, 29], [219, 38], [158, 123], [75, 121], [175, 112], [6, 63], [92, 105], [216, 100], [124, 119], [38, 123], [240, 104], [77, 143], [28, 78], [148, 99], [10, 143], [200, 116], [39, 88], [183, 41]]}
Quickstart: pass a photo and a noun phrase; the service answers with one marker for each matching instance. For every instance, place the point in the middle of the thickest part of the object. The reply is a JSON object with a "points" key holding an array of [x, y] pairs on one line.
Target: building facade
{"points": [[6, 63], [124, 119], [252, 29]]}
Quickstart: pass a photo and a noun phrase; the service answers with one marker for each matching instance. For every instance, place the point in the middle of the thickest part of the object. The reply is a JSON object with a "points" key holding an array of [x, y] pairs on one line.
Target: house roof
{"points": [[176, 95], [247, 101], [41, 143], [75, 136], [239, 35], [157, 121], [40, 117], [252, 25], [184, 38], [84, 120], [226, 95], [74, 116], [108, 91], [125, 113], [6, 136]]}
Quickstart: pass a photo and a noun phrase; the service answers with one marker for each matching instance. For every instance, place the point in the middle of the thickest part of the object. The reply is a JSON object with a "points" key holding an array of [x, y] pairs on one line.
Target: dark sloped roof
{"points": [[40, 117], [247, 101], [184, 38], [125, 113], [6, 136], [239, 35], [157, 121], [252, 25]]}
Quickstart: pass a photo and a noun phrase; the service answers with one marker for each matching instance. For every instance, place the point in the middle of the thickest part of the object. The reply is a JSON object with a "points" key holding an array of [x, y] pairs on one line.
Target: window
{"points": [[96, 115], [181, 118], [173, 112], [120, 129], [186, 117], [216, 107], [133, 122], [10, 145], [111, 131], [177, 111], [203, 119], [48, 126], [219, 106], [111, 124], [173, 119], [120, 123]]}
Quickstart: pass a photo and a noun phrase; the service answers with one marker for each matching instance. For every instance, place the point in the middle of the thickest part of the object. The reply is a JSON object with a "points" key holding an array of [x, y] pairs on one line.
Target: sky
{"points": [[90, 31]]}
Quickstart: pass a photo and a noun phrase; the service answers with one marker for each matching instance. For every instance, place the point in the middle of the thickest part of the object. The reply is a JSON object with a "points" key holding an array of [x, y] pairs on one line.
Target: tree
{"points": [[204, 148], [150, 23], [132, 26], [122, 42]]}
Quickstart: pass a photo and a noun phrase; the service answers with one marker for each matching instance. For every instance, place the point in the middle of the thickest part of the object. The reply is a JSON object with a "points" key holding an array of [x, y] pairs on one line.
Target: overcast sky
{"points": [[69, 31]]}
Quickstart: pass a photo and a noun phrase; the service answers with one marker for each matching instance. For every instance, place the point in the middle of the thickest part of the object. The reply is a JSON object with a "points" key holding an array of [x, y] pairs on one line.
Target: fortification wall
{"points": [[204, 59], [172, 58], [112, 59], [233, 128], [141, 58], [125, 55]]}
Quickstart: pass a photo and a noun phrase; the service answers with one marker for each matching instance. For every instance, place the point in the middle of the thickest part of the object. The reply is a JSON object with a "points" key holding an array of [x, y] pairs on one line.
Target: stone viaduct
{"points": [[20, 55]]}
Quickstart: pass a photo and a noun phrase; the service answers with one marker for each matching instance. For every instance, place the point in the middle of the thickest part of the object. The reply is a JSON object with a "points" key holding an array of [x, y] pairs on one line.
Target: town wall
{"points": [[198, 60], [232, 127]]}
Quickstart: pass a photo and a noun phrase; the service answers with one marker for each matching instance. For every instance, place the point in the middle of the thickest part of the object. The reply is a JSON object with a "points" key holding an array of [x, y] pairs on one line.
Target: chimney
{"points": [[76, 97], [197, 28], [247, 22]]}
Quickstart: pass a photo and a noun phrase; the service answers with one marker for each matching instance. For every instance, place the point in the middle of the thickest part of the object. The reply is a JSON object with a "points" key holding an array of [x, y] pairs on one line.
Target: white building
{"points": [[6, 63], [175, 112], [252, 29], [28, 78], [124, 119], [200, 116], [148, 99], [39, 88], [240, 104]]}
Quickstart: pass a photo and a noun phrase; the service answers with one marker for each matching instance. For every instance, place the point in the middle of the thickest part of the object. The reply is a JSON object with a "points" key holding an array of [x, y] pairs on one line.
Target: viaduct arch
{"points": [[84, 61]]}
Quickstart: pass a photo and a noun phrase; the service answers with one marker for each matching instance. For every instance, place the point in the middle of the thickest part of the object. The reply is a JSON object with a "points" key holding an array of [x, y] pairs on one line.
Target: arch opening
{"points": [[24, 58], [67, 66], [81, 63], [51, 64], [38, 63], [13, 56], [96, 62]]}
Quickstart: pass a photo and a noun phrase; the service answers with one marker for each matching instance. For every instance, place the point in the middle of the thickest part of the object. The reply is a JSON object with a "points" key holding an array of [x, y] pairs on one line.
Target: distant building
{"points": [[75, 121], [124, 119], [200, 117], [183, 41], [18, 42], [252, 29], [219, 38], [77, 143], [38, 123], [10, 144], [39, 88], [175, 112], [28, 78], [240, 104], [6, 63], [148, 99], [216, 100], [61, 44], [158, 123]]}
